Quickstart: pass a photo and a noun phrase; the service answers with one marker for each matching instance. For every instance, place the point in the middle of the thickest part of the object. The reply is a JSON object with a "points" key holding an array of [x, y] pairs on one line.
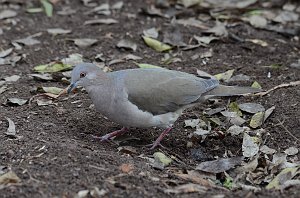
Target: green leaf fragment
{"points": [[225, 76], [285, 175], [257, 120], [156, 45], [52, 67], [147, 66], [159, 156], [256, 85], [34, 10], [233, 106], [254, 12], [52, 90], [48, 8], [228, 183]]}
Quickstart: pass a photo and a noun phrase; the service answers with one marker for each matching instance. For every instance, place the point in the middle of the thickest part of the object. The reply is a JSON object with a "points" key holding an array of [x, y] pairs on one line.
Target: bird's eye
{"points": [[82, 75]]}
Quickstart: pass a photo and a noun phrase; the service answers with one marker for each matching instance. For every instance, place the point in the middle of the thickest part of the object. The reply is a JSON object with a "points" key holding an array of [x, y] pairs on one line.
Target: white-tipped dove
{"points": [[146, 98]]}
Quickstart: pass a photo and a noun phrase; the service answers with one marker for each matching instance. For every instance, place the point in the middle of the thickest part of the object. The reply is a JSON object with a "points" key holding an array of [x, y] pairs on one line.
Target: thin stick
{"points": [[291, 84], [281, 124]]}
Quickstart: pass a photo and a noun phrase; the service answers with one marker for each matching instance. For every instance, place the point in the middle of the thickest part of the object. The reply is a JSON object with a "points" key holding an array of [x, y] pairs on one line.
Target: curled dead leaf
{"points": [[126, 168]]}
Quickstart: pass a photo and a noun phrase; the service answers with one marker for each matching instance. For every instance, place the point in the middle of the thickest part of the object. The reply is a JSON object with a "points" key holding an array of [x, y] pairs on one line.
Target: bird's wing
{"points": [[159, 91]]}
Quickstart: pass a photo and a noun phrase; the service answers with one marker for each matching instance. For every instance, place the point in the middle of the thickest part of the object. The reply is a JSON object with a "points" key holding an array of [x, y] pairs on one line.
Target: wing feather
{"points": [[159, 91]]}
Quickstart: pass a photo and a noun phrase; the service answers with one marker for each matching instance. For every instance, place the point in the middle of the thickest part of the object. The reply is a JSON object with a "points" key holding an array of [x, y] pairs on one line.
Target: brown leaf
{"points": [[187, 188], [9, 178], [195, 177], [126, 168]]}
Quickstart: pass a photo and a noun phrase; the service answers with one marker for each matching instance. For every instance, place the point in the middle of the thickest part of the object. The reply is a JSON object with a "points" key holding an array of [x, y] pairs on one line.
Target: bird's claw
{"points": [[155, 145], [109, 136], [104, 138]]}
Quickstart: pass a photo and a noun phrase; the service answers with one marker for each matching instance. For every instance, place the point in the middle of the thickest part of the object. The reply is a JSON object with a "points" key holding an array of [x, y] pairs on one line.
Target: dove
{"points": [[145, 98]]}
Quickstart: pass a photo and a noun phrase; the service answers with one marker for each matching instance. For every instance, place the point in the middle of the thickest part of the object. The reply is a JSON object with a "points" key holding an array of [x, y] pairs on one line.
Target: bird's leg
{"points": [[112, 134], [162, 135]]}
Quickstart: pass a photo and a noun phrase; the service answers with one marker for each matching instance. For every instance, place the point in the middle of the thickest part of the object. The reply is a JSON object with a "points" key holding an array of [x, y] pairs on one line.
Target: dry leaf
{"points": [[7, 14], [118, 5], [195, 177], [251, 107], [101, 21], [205, 39], [9, 178], [11, 130], [127, 44], [258, 21], [285, 175], [43, 102], [45, 76], [56, 31], [126, 168], [265, 149], [219, 30], [127, 150], [82, 194], [16, 101], [131, 57], [191, 123], [28, 41], [268, 112], [191, 22], [187, 188], [225, 76], [239, 77], [5, 53], [257, 120], [12, 78], [249, 147], [236, 130], [291, 151], [84, 42], [3, 89], [152, 33], [258, 41], [220, 165]]}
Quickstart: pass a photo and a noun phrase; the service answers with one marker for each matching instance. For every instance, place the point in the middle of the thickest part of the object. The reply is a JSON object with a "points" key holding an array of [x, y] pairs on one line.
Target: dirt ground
{"points": [[57, 156]]}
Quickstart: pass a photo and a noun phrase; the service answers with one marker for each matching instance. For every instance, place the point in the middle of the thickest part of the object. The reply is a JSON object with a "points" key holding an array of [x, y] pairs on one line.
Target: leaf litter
{"points": [[127, 44], [234, 130], [156, 45], [11, 130]]}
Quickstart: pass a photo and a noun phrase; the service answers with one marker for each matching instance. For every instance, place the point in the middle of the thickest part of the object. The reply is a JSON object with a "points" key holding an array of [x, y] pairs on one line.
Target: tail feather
{"points": [[223, 90]]}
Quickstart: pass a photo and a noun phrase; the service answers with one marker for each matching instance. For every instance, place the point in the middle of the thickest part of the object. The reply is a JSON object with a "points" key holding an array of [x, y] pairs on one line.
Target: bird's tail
{"points": [[223, 90]]}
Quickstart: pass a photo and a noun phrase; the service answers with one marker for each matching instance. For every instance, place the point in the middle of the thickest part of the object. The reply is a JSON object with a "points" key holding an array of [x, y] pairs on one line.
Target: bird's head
{"points": [[84, 74]]}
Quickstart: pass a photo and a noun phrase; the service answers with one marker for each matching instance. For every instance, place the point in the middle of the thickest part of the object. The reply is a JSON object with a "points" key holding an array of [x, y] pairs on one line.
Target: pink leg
{"points": [[162, 135], [111, 135]]}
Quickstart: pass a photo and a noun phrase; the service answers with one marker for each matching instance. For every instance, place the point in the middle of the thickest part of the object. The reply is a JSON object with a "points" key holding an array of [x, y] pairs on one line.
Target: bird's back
{"points": [[160, 91]]}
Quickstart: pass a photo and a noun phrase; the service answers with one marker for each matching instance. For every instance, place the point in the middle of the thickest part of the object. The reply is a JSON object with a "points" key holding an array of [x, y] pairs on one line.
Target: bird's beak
{"points": [[71, 87]]}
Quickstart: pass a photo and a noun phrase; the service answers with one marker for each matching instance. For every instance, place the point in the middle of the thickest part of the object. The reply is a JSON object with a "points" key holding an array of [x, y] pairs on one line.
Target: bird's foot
{"points": [[159, 139], [109, 136], [155, 145]]}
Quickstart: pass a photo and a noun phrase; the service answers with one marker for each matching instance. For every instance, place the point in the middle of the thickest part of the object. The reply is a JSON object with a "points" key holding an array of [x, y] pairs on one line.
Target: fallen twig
{"points": [[291, 84], [290, 133]]}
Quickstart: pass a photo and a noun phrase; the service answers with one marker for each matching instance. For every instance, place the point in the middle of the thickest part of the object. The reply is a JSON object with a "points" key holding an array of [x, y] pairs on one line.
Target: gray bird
{"points": [[146, 98]]}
